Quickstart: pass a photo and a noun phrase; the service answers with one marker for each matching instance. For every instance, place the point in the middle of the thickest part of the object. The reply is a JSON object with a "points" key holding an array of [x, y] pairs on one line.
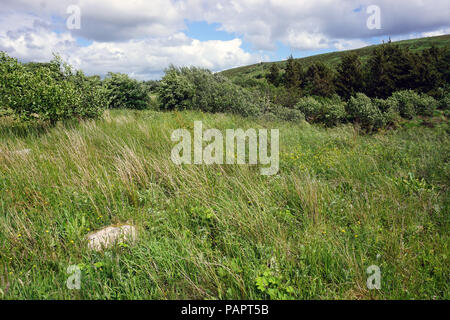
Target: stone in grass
{"points": [[22, 152], [19, 152], [107, 237]]}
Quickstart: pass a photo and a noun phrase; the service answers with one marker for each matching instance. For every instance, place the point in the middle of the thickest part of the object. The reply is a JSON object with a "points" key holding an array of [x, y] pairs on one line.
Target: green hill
{"points": [[332, 59]]}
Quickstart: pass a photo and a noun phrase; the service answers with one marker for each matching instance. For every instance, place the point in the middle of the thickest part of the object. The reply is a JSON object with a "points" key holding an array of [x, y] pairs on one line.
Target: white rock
{"points": [[23, 152], [107, 237]]}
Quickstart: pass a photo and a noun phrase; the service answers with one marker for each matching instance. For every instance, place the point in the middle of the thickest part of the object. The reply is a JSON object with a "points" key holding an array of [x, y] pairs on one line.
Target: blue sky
{"points": [[141, 38]]}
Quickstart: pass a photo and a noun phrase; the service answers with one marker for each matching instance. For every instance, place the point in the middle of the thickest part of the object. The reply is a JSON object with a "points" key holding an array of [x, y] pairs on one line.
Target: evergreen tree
{"points": [[390, 68], [349, 79], [320, 80], [290, 75], [274, 75]]}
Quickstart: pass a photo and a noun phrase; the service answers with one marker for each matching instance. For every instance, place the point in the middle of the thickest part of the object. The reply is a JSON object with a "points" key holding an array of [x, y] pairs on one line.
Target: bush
{"points": [[332, 113], [124, 92], [426, 105], [389, 109], [286, 114], [407, 100], [48, 93], [361, 110], [323, 110], [310, 107], [444, 102], [199, 89], [411, 103]]}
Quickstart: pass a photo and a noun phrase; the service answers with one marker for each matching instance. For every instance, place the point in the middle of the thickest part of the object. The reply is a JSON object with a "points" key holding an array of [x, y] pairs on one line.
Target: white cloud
{"points": [[143, 58], [341, 45], [142, 37]]}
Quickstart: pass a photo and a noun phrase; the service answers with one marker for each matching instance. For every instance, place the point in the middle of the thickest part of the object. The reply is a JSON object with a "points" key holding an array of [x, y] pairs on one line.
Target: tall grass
{"points": [[341, 202]]}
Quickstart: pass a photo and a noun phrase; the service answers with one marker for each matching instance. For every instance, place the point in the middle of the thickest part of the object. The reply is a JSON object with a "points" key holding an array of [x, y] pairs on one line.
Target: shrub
{"points": [[407, 100], [175, 91], [411, 103], [287, 114], [361, 110], [310, 107], [389, 109], [444, 102], [426, 105], [199, 89], [125, 92], [48, 93], [324, 110], [332, 113]]}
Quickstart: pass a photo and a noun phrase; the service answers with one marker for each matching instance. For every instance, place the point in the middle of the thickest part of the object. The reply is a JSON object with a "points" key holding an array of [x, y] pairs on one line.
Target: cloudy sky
{"points": [[142, 37]]}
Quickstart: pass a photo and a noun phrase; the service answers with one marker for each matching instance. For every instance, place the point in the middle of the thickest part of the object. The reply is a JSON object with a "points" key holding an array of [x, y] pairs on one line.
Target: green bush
{"points": [[286, 114], [332, 113], [310, 107], [407, 100], [444, 103], [199, 89], [426, 105], [322, 110], [361, 110], [48, 93], [125, 92], [389, 109], [411, 103]]}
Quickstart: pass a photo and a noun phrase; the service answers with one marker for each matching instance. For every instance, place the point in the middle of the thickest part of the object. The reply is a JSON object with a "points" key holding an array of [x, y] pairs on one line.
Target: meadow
{"points": [[342, 201]]}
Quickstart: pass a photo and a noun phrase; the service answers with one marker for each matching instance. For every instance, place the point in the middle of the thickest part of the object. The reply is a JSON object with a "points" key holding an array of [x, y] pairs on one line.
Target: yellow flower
{"points": [[46, 231]]}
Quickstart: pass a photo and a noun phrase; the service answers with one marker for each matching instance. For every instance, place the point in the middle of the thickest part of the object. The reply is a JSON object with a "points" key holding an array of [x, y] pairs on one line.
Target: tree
{"points": [[274, 75], [320, 80], [293, 76], [390, 68], [349, 79]]}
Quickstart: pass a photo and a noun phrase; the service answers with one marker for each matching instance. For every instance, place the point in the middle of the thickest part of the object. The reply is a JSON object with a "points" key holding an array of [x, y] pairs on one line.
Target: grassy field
{"points": [[333, 59], [342, 201]]}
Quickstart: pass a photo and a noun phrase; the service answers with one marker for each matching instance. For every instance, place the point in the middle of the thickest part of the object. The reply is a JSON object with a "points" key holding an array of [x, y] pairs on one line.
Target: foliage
{"points": [[310, 107], [50, 93], [125, 92], [362, 111], [199, 89], [330, 111], [349, 78], [319, 79]]}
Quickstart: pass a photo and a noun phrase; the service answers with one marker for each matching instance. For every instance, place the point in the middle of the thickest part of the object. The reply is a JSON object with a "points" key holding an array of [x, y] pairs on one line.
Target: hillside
{"points": [[332, 59]]}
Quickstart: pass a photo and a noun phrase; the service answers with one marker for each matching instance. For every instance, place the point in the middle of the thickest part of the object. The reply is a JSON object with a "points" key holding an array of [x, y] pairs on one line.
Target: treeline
{"points": [[199, 89], [54, 91], [394, 84], [389, 68]]}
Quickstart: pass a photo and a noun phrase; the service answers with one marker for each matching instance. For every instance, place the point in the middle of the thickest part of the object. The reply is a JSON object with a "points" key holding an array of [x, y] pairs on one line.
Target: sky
{"points": [[143, 37]]}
